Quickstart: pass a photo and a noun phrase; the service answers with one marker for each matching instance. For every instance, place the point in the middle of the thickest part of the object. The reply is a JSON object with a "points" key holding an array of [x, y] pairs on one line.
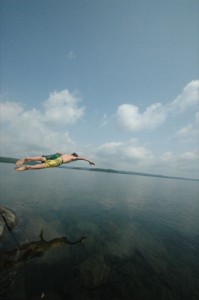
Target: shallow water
{"points": [[142, 238]]}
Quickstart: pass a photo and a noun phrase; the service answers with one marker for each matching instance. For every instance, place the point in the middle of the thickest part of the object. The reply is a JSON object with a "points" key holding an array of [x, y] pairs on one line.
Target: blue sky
{"points": [[114, 80]]}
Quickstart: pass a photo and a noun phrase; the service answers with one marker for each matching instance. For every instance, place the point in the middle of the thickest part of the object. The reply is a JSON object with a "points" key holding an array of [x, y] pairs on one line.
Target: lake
{"points": [[140, 236]]}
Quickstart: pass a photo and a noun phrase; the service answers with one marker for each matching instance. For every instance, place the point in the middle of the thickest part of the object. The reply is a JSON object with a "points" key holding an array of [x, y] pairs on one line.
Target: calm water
{"points": [[142, 236]]}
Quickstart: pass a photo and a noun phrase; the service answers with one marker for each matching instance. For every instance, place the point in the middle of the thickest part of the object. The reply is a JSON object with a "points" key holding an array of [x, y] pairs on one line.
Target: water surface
{"points": [[142, 239]]}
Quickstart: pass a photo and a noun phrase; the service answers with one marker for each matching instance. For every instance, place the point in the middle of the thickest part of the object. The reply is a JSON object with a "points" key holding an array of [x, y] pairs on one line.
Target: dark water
{"points": [[142, 236]]}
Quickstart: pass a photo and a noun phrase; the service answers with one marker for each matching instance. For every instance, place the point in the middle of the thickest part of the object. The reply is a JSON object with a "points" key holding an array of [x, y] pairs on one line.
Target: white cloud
{"points": [[185, 131], [190, 132], [189, 155], [188, 98], [129, 118], [132, 156], [10, 110], [183, 164], [110, 148], [32, 131], [124, 155], [61, 107], [167, 157], [71, 55]]}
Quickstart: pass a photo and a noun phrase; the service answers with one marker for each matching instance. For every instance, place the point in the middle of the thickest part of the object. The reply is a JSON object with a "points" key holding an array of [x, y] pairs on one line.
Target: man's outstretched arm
{"points": [[85, 159]]}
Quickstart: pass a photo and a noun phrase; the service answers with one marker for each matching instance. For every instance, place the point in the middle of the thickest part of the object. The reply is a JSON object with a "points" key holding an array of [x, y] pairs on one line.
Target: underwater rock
{"points": [[31, 250], [94, 271], [7, 219]]}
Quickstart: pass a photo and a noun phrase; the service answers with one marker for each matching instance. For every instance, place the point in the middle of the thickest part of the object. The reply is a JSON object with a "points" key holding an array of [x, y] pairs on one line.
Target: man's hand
{"points": [[91, 163]]}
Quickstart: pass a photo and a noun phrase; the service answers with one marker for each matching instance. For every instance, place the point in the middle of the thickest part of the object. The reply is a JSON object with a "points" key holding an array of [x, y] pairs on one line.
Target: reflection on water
{"points": [[142, 236]]}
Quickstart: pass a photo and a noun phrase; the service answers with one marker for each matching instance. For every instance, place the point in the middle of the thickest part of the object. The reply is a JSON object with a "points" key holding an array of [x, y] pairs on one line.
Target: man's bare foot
{"points": [[20, 161], [23, 168]]}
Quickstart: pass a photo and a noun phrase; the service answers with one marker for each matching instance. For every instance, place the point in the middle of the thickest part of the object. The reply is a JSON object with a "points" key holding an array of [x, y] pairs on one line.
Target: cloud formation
{"points": [[124, 155], [32, 131], [179, 164], [71, 55], [130, 119], [10, 110], [190, 132], [62, 107], [132, 156], [188, 98], [46, 130]]}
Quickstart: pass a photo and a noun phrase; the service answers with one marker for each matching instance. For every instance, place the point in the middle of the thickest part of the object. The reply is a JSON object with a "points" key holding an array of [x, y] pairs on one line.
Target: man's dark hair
{"points": [[74, 154]]}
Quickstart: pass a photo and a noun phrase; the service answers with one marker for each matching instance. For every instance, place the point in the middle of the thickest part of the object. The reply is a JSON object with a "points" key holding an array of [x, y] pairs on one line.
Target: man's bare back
{"points": [[67, 158]]}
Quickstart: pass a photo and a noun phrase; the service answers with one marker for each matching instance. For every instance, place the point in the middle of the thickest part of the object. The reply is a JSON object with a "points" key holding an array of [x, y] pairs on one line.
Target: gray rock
{"points": [[7, 219]]}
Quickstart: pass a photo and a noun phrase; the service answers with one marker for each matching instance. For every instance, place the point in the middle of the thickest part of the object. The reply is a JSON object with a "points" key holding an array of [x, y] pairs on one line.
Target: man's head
{"points": [[74, 154]]}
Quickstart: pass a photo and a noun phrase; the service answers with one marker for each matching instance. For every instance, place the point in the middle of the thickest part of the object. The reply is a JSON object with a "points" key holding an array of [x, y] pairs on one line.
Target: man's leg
{"points": [[35, 167], [26, 159]]}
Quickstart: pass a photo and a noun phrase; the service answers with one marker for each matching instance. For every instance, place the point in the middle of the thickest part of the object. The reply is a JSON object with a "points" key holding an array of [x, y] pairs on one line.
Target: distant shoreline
{"points": [[128, 173], [13, 161]]}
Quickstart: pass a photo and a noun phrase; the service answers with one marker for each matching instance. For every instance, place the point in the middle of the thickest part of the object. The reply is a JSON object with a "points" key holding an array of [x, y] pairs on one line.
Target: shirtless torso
{"points": [[67, 158]]}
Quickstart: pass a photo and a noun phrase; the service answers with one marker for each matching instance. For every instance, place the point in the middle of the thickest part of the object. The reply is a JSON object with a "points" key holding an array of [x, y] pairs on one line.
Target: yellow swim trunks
{"points": [[53, 163]]}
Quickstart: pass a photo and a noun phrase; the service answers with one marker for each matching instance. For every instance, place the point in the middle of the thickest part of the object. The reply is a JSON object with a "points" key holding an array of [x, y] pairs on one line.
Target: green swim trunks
{"points": [[53, 163], [51, 156]]}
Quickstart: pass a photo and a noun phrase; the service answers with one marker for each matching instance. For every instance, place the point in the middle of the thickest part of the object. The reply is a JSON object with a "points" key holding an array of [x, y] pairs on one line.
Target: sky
{"points": [[116, 81]]}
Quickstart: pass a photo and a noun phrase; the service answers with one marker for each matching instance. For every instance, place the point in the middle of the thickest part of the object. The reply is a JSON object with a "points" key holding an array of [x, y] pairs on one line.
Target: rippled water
{"points": [[142, 235]]}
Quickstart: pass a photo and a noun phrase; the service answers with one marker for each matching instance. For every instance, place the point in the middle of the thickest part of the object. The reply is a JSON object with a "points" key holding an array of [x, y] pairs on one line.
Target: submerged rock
{"points": [[27, 251], [7, 219], [94, 271]]}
